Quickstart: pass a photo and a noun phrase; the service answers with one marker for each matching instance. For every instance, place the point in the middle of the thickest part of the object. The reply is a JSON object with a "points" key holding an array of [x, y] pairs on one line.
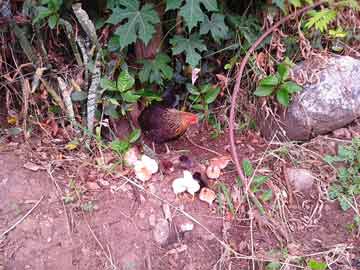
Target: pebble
{"points": [[161, 231]]}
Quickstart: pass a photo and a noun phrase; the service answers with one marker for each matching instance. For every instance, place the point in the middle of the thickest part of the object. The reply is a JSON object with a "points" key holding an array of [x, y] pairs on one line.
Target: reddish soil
{"points": [[118, 233]]}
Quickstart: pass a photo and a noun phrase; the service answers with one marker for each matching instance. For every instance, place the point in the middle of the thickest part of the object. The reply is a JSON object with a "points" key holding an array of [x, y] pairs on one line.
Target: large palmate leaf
{"points": [[193, 13], [140, 22], [216, 26], [173, 4], [156, 70], [191, 46]]}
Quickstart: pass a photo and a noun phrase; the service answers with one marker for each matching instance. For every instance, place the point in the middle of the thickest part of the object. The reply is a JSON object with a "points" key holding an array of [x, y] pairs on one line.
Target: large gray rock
{"points": [[330, 101]]}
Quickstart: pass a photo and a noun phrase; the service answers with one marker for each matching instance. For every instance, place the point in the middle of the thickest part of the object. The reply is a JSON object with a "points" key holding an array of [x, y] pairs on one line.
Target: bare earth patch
{"points": [[127, 227]]}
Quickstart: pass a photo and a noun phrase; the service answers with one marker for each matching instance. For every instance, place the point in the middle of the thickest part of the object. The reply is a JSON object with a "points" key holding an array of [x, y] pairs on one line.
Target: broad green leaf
{"points": [[198, 107], [134, 135], [192, 89], [130, 97], [260, 179], [211, 95], [120, 146], [78, 96], [282, 97], [216, 26], [125, 81], [111, 110], [42, 13], [271, 80], [107, 84], [173, 4], [14, 131], [292, 87], [156, 70], [140, 22], [283, 71], [53, 19], [264, 91], [247, 167], [190, 46], [192, 12], [315, 265]]}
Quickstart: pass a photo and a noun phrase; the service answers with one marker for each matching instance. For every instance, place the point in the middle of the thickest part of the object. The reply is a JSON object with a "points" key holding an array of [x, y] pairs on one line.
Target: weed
{"points": [[348, 174]]}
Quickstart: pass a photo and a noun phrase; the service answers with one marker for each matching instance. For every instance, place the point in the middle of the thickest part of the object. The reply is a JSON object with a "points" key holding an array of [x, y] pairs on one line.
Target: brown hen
{"points": [[162, 124]]}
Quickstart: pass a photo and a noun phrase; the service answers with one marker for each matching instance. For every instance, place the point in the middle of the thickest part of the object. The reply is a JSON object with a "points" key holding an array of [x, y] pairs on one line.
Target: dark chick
{"points": [[162, 124]]}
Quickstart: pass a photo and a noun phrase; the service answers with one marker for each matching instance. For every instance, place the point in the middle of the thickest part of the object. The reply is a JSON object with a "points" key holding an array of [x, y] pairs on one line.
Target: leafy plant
{"points": [[48, 9], [202, 97], [316, 265], [257, 182], [121, 146], [156, 70], [140, 22], [191, 46], [278, 84], [348, 174], [320, 19], [121, 93]]}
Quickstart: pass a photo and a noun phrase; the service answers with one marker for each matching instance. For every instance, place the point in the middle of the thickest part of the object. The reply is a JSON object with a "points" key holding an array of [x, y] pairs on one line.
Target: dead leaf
{"points": [[220, 162], [32, 166], [194, 75], [213, 172], [207, 195]]}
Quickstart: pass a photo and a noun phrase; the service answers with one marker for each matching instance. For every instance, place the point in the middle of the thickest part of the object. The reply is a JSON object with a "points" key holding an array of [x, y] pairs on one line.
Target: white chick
{"points": [[187, 183]]}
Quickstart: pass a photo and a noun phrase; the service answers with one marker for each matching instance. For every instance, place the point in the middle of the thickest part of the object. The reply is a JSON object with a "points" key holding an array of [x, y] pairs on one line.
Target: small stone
{"points": [[152, 220], [301, 179], [161, 231], [186, 226]]}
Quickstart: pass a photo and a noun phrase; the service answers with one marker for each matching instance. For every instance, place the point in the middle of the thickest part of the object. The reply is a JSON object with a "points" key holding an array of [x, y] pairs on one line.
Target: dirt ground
{"points": [[87, 219]]}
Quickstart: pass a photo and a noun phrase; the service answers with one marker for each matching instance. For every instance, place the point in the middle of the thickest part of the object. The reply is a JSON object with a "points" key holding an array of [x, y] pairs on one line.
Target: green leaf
{"points": [[315, 265], [320, 19], [267, 195], [282, 97], [211, 95], [247, 167], [130, 97], [264, 91], [283, 71], [271, 80], [154, 71], [42, 13], [53, 19], [192, 12], [119, 146], [192, 89], [198, 107], [173, 4], [107, 84], [134, 135], [260, 179], [190, 46], [216, 26], [344, 204], [125, 81], [78, 96], [111, 110], [292, 87], [140, 23]]}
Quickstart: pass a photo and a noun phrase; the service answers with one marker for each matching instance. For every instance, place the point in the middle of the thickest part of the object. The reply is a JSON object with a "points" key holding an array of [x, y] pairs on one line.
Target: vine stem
{"points": [[238, 81]]}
